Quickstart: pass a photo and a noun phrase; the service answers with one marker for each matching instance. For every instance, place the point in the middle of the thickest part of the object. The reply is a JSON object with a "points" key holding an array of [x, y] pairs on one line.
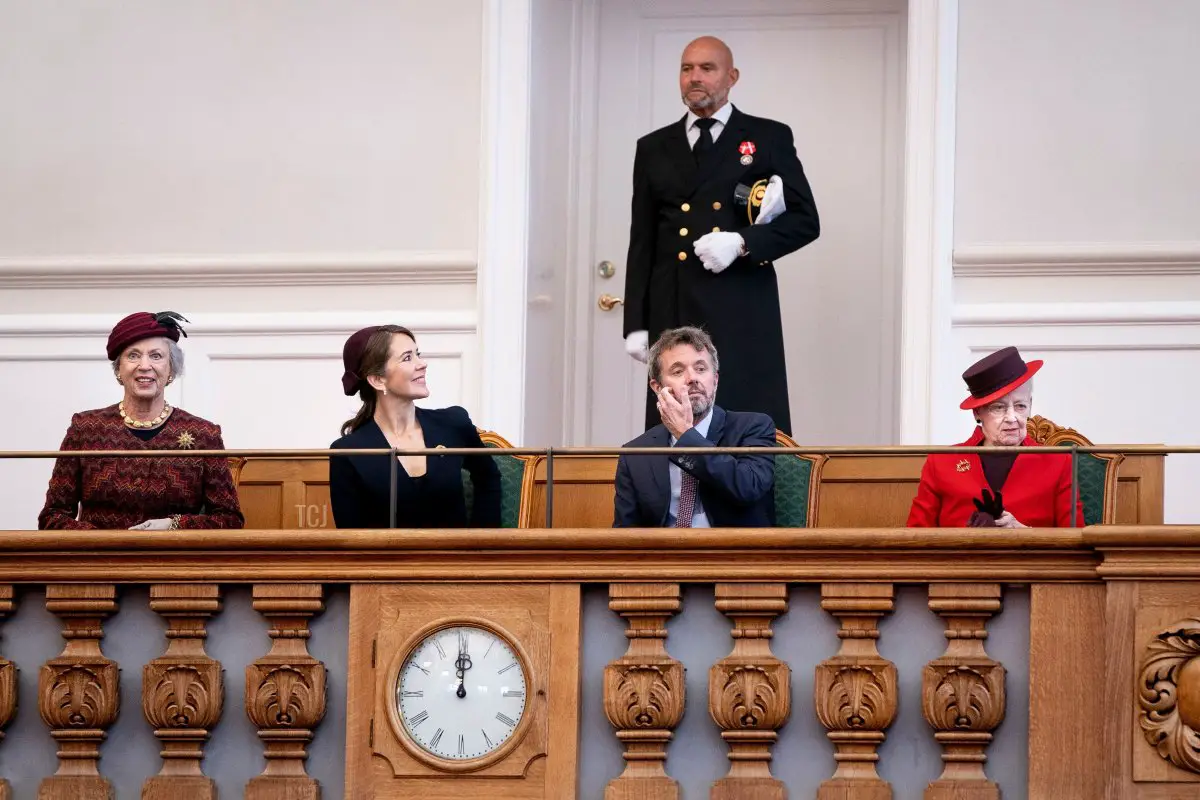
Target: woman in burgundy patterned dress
{"points": [[142, 493]]}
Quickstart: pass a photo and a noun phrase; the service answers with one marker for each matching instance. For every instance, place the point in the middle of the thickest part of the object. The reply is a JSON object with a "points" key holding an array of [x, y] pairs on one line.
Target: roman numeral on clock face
{"points": [[512, 693], [486, 739], [462, 748], [503, 670], [441, 650], [509, 722], [417, 693], [437, 737], [418, 719]]}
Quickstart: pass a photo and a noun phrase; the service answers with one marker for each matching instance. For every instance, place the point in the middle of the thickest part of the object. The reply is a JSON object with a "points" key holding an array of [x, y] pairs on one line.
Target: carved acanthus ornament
{"points": [[78, 692], [1169, 694], [963, 691], [182, 691], [856, 691], [749, 691], [285, 692], [644, 691]]}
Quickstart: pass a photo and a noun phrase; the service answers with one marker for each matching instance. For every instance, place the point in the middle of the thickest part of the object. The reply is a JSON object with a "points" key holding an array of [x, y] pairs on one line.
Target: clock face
{"points": [[461, 693]]}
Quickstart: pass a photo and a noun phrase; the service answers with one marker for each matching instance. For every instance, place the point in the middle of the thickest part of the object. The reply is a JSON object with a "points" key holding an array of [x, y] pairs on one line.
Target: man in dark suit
{"points": [[686, 491], [694, 256]]}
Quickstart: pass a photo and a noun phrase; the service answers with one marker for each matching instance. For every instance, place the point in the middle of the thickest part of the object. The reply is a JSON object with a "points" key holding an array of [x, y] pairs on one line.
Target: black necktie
{"points": [[704, 145]]}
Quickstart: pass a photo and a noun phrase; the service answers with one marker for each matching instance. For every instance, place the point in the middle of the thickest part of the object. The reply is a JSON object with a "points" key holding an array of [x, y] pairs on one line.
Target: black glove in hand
{"points": [[991, 504], [981, 519]]}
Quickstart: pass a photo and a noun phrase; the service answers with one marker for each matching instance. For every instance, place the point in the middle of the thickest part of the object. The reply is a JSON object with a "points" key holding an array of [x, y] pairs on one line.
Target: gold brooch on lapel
{"points": [[186, 440], [963, 466]]}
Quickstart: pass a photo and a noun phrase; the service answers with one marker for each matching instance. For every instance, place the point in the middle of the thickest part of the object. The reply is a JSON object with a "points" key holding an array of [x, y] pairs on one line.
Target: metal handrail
{"points": [[852, 450]]}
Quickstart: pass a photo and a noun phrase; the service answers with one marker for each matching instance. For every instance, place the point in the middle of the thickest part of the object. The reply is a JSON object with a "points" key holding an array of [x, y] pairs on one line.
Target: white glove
{"points": [[773, 204], [718, 250], [637, 344], [153, 525]]}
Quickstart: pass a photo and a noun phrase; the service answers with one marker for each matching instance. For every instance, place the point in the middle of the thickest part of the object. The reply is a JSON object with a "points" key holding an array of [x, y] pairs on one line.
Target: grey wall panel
{"points": [[1008, 643], [30, 637], [603, 640]]}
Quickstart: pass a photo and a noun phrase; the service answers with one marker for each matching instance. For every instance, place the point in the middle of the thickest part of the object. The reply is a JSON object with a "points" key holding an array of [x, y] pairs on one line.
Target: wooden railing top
{"points": [[587, 555]]}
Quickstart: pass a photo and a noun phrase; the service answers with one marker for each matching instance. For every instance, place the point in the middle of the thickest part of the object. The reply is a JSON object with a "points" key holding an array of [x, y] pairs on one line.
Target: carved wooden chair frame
{"points": [[1049, 433], [495, 440], [814, 479]]}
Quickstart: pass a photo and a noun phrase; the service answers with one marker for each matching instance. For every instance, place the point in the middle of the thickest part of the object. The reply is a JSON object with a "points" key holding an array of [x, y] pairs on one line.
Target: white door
{"points": [[838, 80]]}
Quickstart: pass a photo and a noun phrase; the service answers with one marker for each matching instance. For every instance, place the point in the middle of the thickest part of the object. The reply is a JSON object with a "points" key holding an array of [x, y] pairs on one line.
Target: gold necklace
{"points": [[137, 423]]}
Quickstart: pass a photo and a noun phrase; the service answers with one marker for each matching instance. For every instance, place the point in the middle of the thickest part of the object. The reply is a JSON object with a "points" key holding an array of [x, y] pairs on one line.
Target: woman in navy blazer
{"points": [[385, 368]]}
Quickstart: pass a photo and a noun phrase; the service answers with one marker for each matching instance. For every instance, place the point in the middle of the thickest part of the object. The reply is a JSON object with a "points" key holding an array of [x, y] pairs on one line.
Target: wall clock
{"points": [[460, 689], [460, 694]]}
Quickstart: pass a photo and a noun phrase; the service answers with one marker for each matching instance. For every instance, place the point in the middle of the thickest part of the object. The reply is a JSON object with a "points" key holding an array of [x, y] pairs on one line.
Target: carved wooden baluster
{"points": [[78, 692], [963, 691], [182, 691], [644, 691], [855, 691], [749, 691], [8, 682], [285, 692]]}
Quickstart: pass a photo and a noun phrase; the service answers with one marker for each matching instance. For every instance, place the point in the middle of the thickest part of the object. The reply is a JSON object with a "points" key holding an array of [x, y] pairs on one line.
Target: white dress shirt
{"points": [[699, 518], [722, 117]]}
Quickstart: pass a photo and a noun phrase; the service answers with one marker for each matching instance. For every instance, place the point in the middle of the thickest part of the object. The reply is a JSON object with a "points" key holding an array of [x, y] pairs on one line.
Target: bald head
{"points": [[706, 74], [710, 48]]}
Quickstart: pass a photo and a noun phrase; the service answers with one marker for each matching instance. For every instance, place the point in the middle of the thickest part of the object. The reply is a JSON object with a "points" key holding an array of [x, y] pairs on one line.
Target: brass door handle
{"points": [[607, 302]]}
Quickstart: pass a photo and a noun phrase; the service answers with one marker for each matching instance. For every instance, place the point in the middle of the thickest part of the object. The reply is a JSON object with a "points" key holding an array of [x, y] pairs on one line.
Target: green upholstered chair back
{"points": [[1097, 471], [513, 474], [796, 480]]}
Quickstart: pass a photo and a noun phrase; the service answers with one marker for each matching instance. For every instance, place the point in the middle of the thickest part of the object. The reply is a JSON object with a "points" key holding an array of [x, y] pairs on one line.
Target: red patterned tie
{"points": [[687, 500]]}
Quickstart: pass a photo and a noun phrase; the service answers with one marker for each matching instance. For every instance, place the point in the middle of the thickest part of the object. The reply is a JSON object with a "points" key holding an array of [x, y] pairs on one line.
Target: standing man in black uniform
{"points": [[694, 256]]}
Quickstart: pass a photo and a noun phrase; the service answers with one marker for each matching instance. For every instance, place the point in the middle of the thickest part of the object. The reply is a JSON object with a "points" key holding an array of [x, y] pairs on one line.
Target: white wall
{"points": [[1075, 214], [282, 173]]}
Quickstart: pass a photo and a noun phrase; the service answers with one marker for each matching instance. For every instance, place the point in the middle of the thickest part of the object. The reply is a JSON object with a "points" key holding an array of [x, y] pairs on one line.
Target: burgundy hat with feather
{"points": [[144, 325]]}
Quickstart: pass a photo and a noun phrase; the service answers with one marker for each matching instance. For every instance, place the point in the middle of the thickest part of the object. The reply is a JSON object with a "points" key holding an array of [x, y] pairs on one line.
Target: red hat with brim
{"points": [[143, 325], [995, 375]]}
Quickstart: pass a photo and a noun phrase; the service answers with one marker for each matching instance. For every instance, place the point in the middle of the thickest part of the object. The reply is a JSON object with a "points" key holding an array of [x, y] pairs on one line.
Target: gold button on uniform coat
{"points": [[683, 231], [682, 256], [716, 206], [686, 207]]}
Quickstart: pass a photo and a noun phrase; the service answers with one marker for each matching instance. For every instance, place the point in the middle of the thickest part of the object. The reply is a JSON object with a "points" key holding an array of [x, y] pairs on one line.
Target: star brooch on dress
{"points": [[186, 441], [963, 465]]}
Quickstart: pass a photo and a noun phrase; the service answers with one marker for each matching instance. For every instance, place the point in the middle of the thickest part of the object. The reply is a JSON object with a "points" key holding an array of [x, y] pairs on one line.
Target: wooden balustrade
{"points": [[1114, 658]]}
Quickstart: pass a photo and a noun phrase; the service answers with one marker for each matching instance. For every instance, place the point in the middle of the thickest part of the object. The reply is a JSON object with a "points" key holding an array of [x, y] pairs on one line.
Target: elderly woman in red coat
{"points": [[1014, 487], [142, 493]]}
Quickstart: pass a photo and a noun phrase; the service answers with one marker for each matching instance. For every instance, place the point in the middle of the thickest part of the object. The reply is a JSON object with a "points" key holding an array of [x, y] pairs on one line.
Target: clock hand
{"points": [[461, 665]]}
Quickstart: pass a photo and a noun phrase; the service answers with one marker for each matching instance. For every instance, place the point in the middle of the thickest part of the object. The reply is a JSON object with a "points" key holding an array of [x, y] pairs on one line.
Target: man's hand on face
{"points": [[676, 414]]}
